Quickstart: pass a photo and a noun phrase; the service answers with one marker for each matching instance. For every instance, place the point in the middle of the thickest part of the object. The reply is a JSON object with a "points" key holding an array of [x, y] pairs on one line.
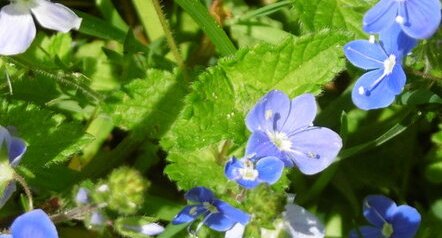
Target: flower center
{"points": [[210, 207], [389, 64], [387, 230], [280, 140], [248, 172]]}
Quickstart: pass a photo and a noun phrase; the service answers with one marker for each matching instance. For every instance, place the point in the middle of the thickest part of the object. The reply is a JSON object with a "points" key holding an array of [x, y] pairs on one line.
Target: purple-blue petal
{"points": [[396, 80], [82, 196], [219, 222], [367, 232], [405, 221], [231, 170], [395, 41], [16, 149], [188, 214], [199, 194], [365, 55], [302, 113], [378, 209], [380, 16], [422, 18], [269, 169], [269, 113], [6, 236], [247, 183], [7, 193], [232, 213], [315, 148], [35, 223], [366, 96]]}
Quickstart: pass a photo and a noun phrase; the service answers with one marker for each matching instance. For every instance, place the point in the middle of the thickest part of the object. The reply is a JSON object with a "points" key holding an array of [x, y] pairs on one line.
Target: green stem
{"points": [[22, 182], [168, 34]]}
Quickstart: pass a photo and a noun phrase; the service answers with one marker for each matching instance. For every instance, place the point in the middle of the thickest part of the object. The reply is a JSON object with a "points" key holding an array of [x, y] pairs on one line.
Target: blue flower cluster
{"points": [[399, 24], [283, 135], [387, 219]]}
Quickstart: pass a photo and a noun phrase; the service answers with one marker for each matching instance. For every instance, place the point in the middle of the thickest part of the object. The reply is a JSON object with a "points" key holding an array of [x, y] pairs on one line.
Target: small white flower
{"points": [[17, 27]]}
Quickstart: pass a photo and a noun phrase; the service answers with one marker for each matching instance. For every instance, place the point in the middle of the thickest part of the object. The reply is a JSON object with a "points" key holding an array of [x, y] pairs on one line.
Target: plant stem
{"points": [[22, 182], [169, 37]]}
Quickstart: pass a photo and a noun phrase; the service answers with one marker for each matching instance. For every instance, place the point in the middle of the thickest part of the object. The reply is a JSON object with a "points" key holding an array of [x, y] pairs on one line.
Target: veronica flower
{"points": [[250, 172], [216, 214], [15, 148], [388, 220], [284, 128], [417, 18], [385, 79], [17, 27], [35, 224]]}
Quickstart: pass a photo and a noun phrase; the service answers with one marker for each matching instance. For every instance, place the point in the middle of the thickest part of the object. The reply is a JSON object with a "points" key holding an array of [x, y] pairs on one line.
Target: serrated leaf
{"points": [[342, 15], [215, 110], [149, 104], [51, 138]]}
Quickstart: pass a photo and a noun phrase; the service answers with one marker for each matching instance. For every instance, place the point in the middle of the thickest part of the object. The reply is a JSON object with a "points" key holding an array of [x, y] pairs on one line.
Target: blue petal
{"points": [[302, 113], [364, 54], [16, 149], [199, 194], [82, 196], [269, 113], [219, 222], [367, 232], [365, 96], [380, 17], [231, 212], [422, 18], [7, 193], [6, 236], [269, 169], [405, 221], [378, 209], [260, 145], [231, 170], [396, 42], [396, 80], [247, 183], [35, 224], [315, 149], [188, 214]]}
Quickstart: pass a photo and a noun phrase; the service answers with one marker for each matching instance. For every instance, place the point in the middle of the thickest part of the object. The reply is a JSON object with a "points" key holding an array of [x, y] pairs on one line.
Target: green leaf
{"points": [[419, 96], [97, 27], [341, 15], [51, 139], [149, 104]]}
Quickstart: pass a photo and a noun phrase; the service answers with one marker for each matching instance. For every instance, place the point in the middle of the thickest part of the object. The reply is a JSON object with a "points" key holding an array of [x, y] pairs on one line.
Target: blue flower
{"points": [[385, 79], [216, 214], [249, 172], [388, 219], [417, 18], [284, 128], [35, 224], [15, 148]]}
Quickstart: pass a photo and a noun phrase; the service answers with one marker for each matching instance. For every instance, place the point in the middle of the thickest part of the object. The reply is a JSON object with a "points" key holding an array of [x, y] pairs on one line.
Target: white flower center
{"points": [[389, 64], [372, 39], [280, 140], [399, 20], [248, 172]]}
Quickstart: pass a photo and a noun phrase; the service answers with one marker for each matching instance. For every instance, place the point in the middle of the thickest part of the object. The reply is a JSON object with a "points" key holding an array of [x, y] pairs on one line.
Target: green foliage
{"points": [[145, 103], [340, 15], [52, 142]]}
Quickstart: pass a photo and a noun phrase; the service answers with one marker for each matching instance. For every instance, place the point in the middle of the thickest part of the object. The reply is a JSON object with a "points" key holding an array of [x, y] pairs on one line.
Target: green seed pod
{"points": [[126, 190]]}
